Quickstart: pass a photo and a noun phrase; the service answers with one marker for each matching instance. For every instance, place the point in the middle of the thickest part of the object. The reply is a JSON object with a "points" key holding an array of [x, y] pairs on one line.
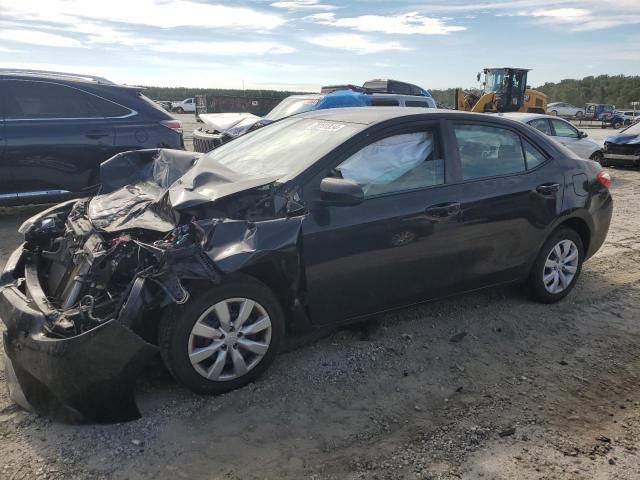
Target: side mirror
{"points": [[339, 191], [582, 134]]}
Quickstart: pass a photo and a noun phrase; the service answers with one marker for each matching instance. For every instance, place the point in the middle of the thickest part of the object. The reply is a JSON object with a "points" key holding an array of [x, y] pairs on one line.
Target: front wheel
{"points": [[179, 110], [557, 266], [579, 114], [223, 338], [616, 124]]}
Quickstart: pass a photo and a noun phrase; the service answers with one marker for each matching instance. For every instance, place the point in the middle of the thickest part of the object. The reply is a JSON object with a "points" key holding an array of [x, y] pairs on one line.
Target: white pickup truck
{"points": [[188, 105]]}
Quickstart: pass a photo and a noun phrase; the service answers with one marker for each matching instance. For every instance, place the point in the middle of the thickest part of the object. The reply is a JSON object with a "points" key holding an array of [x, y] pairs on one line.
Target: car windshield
{"points": [[633, 129], [494, 80], [291, 106], [283, 148]]}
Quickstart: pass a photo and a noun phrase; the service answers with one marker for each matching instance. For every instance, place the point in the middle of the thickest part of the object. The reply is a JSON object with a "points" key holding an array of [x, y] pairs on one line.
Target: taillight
{"points": [[175, 125], [604, 178]]}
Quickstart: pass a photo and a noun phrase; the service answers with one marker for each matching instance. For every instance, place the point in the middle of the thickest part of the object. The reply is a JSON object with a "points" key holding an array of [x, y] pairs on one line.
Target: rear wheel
{"points": [[579, 114], [557, 266], [616, 124], [179, 110], [223, 338]]}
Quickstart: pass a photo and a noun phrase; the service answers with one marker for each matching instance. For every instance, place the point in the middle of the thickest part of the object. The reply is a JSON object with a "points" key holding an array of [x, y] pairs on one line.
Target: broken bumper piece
{"points": [[88, 377]]}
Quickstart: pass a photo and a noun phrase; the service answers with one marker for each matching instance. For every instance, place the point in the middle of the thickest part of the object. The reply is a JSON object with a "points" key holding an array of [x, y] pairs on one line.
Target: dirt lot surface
{"points": [[488, 385]]}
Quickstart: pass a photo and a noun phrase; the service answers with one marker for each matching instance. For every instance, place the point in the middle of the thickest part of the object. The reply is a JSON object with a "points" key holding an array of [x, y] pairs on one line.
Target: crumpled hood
{"points": [[232, 124], [624, 139], [147, 188]]}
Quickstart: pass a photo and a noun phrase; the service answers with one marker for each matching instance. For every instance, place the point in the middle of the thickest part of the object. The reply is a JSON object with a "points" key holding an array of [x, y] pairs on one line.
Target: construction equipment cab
{"points": [[504, 90]]}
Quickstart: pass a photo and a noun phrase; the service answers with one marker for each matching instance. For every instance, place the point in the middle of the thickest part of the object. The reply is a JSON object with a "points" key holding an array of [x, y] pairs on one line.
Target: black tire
{"points": [[536, 282], [579, 114], [554, 112], [179, 110], [178, 320], [616, 124]]}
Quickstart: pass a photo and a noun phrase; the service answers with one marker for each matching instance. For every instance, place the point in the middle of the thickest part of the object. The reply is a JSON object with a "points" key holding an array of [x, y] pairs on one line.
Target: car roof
{"points": [[25, 74], [373, 115], [306, 96], [525, 117]]}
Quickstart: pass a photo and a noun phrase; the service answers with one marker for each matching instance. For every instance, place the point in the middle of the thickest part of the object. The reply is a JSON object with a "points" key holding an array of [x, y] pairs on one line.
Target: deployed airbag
{"points": [[388, 159]]}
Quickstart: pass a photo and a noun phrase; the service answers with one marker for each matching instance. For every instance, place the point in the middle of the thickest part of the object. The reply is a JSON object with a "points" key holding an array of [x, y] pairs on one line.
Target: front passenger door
{"points": [[392, 249], [567, 135]]}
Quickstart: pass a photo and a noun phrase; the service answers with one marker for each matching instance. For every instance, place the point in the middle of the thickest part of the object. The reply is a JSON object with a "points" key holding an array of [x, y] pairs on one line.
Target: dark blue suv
{"points": [[56, 129]]}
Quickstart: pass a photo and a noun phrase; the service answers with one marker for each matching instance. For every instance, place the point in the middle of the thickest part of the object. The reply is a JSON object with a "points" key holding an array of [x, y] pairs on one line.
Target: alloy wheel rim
{"points": [[561, 267], [229, 339]]}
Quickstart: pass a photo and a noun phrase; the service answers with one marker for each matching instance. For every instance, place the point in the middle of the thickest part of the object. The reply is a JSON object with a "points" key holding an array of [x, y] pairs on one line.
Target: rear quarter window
{"points": [[108, 108]]}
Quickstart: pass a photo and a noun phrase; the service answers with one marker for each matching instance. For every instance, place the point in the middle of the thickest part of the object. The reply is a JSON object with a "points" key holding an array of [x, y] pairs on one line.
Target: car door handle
{"points": [[444, 210], [96, 134], [548, 188]]}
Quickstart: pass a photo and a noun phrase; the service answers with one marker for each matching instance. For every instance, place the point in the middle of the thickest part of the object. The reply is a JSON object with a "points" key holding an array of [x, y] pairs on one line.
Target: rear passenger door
{"points": [[510, 193], [57, 136]]}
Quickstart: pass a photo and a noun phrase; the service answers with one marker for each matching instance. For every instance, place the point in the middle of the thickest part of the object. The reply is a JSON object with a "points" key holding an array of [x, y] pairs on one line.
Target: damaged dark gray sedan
{"points": [[325, 218]]}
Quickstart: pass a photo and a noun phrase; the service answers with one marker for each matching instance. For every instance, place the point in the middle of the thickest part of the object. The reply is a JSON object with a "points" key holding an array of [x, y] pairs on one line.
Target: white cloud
{"points": [[571, 15], [303, 5], [36, 37], [355, 43], [157, 13], [102, 34], [222, 48], [405, 23], [579, 19], [561, 13]]}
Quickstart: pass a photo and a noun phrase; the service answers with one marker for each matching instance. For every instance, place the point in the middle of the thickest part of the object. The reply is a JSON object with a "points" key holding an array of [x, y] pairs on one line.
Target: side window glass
{"points": [[541, 124], [488, 151], [47, 100], [384, 102], [533, 155], [107, 108], [397, 163], [563, 129]]}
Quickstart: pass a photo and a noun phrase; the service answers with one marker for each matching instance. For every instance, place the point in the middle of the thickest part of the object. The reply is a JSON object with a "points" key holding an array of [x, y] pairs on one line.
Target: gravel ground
{"points": [[488, 385]]}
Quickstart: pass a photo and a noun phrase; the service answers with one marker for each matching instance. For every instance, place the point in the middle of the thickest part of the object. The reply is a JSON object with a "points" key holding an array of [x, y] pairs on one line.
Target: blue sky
{"points": [[302, 44]]}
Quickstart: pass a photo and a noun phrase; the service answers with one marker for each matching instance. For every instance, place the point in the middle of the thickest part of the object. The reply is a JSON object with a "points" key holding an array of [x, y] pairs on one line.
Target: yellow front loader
{"points": [[504, 90]]}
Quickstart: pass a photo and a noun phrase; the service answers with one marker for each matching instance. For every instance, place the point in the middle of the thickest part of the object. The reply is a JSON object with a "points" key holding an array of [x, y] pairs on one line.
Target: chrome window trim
{"points": [[131, 114]]}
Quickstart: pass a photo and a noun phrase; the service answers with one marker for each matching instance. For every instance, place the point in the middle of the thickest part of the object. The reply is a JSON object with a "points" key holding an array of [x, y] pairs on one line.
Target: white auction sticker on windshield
{"points": [[325, 126]]}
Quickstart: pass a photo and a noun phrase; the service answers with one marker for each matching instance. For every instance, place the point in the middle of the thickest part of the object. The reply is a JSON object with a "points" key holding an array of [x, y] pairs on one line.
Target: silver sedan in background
{"points": [[561, 131], [565, 109]]}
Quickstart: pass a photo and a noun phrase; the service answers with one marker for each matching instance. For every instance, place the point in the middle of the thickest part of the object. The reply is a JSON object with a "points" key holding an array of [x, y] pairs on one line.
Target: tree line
{"points": [[619, 90], [175, 94]]}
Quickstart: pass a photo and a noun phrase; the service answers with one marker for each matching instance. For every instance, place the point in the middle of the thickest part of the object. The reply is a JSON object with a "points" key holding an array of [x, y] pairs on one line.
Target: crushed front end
{"points": [[73, 299], [82, 297]]}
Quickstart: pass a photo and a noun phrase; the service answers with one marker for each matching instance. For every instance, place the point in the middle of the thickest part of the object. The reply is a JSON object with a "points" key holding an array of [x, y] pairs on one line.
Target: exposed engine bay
{"points": [[90, 277]]}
